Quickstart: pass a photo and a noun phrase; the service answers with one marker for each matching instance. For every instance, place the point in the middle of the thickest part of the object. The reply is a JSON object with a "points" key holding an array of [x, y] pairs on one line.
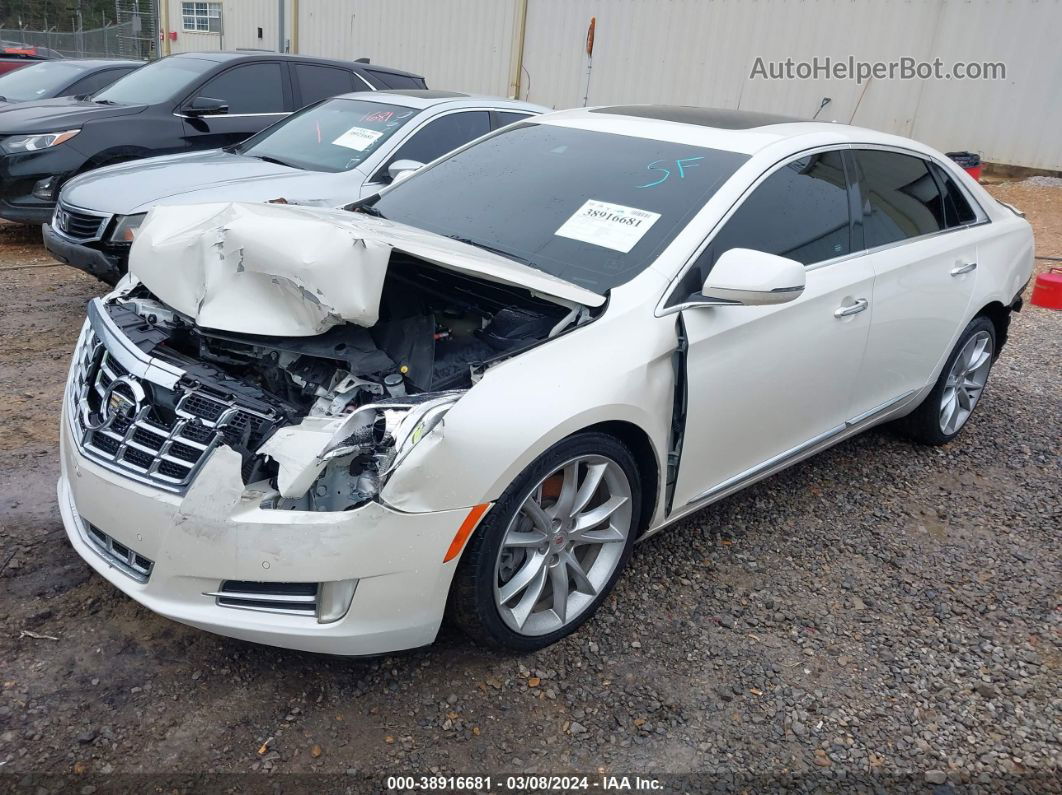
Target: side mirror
{"points": [[753, 278], [400, 169], [205, 106]]}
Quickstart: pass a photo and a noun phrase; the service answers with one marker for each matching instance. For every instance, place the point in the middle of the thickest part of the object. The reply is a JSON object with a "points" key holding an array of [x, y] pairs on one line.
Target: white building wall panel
{"points": [[701, 52], [457, 44]]}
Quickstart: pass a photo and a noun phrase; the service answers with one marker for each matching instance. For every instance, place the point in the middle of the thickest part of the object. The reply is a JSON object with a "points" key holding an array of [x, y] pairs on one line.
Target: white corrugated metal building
{"points": [[695, 52]]}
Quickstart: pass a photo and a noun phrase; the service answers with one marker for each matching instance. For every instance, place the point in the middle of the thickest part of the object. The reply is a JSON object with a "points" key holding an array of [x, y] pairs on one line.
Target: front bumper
{"points": [[217, 532], [19, 173], [78, 255]]}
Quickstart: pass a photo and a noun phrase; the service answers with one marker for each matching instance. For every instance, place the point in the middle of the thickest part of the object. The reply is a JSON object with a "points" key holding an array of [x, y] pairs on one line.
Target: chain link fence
{"points": [[135, 34]]}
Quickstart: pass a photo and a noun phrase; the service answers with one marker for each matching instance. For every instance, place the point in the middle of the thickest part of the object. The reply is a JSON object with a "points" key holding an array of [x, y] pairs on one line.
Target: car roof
{"points": [[421, 99], [722, 118], [742, 131], [223, 56], [99, 63]]}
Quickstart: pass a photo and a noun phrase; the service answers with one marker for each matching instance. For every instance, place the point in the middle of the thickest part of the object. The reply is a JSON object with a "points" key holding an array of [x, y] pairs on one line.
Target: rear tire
{"points": [[552, 547], [947, 408]]}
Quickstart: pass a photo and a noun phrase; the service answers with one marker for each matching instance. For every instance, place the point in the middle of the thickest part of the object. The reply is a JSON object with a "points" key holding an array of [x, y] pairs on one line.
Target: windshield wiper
{"points": [[105, 102], [368, 209], [274, 160], [492, 249]]}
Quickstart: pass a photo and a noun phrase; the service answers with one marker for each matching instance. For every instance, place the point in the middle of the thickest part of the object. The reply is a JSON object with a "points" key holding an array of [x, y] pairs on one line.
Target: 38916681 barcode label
{"points": [[608, 225]]}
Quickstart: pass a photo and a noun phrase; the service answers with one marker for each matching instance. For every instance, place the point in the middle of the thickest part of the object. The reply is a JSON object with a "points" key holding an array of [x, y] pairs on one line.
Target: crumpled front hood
{"points": [[284, 270]]}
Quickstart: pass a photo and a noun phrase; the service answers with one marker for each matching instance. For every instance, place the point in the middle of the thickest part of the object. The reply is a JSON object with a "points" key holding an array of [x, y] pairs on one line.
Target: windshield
{"points": [[38, 81], [334, 135], [155, 82], [592, 208]]}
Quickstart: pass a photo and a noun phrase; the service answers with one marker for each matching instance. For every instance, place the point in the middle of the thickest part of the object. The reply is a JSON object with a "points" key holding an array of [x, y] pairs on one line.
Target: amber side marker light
{"points": [[465, 530]]}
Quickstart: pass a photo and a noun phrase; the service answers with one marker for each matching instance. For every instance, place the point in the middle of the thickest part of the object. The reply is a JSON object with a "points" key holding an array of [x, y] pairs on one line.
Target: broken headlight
{"points": [[351, 470], [391, 429]]}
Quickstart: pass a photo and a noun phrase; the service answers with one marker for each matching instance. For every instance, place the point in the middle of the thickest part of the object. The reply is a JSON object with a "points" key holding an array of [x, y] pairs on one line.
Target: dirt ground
{"points": [[881, 611]]}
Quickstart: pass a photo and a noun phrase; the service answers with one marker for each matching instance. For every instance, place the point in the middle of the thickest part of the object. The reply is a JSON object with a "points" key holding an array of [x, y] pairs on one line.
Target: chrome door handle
{"points": [[852, 309], [966, 267]]}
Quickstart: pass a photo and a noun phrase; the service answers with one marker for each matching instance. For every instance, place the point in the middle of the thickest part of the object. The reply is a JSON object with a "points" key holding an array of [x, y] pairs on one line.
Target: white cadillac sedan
{"points": [[327, 430]]}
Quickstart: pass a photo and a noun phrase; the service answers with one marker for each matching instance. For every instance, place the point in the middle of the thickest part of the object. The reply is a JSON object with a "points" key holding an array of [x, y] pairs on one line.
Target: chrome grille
{"points": [[119, 555], [293, 598], [164, 439], [78, 224]]}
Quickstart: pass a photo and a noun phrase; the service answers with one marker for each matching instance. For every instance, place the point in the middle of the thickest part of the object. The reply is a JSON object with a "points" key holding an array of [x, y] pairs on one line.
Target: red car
{"points": [[15, 56]]}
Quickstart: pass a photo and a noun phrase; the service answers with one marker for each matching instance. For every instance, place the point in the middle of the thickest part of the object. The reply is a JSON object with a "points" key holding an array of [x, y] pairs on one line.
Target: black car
{"points": [[180, 103], [66, 78]]}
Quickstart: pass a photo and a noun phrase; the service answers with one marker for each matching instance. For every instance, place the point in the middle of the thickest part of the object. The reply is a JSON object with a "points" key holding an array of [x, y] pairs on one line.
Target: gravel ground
{"points": [[882, 612]]}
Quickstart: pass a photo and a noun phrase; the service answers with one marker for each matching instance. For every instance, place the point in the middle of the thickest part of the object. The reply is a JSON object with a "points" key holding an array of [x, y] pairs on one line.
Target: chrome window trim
{"points": [[662, 309], [361, 77], [232, 115]]}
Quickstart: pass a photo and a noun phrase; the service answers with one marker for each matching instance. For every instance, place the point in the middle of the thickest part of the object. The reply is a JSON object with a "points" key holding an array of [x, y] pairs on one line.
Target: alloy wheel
{"points": [[563, 545], [966, 382]]}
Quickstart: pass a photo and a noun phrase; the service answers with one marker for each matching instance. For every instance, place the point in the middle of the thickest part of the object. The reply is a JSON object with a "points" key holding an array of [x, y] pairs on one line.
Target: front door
{"points": [[256, 97], [765, 382]]}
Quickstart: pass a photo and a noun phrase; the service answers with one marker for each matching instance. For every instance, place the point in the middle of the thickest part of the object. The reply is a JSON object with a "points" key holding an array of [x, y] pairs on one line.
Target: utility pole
{"points": [[80, 37], [280, 26]]}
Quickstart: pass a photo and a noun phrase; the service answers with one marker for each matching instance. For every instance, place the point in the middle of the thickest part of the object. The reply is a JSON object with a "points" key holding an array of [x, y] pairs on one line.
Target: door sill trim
{"points": [[781, 458], [770, 463], [888, 404]]}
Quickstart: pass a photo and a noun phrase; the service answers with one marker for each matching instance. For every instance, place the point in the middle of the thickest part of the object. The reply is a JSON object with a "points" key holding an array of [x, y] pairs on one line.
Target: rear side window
{"points": [[440, 136], [320, 82], [900, 198], [391, 80], [250, 88], [95, 82], [957, 210], [505, 117]]}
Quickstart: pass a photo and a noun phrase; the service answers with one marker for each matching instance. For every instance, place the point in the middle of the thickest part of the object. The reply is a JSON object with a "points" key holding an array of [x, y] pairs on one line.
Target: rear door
{"points": [[916, 232], [257, 93], [313, 82]]}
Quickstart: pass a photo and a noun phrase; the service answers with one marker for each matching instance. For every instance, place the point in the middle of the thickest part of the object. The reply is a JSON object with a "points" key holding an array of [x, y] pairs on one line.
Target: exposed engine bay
{"points": [[335, 413]]}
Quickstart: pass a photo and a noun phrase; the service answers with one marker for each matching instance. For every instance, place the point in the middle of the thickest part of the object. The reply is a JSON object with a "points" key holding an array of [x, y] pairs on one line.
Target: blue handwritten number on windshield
{"points": [[682, 164]]}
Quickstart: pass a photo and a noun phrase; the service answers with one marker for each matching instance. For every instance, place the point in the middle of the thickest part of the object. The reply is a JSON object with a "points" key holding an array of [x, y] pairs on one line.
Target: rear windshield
{"points": [[38, 81], [592, 208], [334, 135], [156, 82]]}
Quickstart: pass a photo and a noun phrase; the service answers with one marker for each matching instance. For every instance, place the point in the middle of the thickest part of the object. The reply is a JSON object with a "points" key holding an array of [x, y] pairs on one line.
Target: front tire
{"points": [[947, 408], [552, 547]]}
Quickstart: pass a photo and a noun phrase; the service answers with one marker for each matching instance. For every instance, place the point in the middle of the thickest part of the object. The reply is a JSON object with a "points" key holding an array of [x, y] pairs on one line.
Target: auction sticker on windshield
{"points": [[358, 138], [608, 225]]}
